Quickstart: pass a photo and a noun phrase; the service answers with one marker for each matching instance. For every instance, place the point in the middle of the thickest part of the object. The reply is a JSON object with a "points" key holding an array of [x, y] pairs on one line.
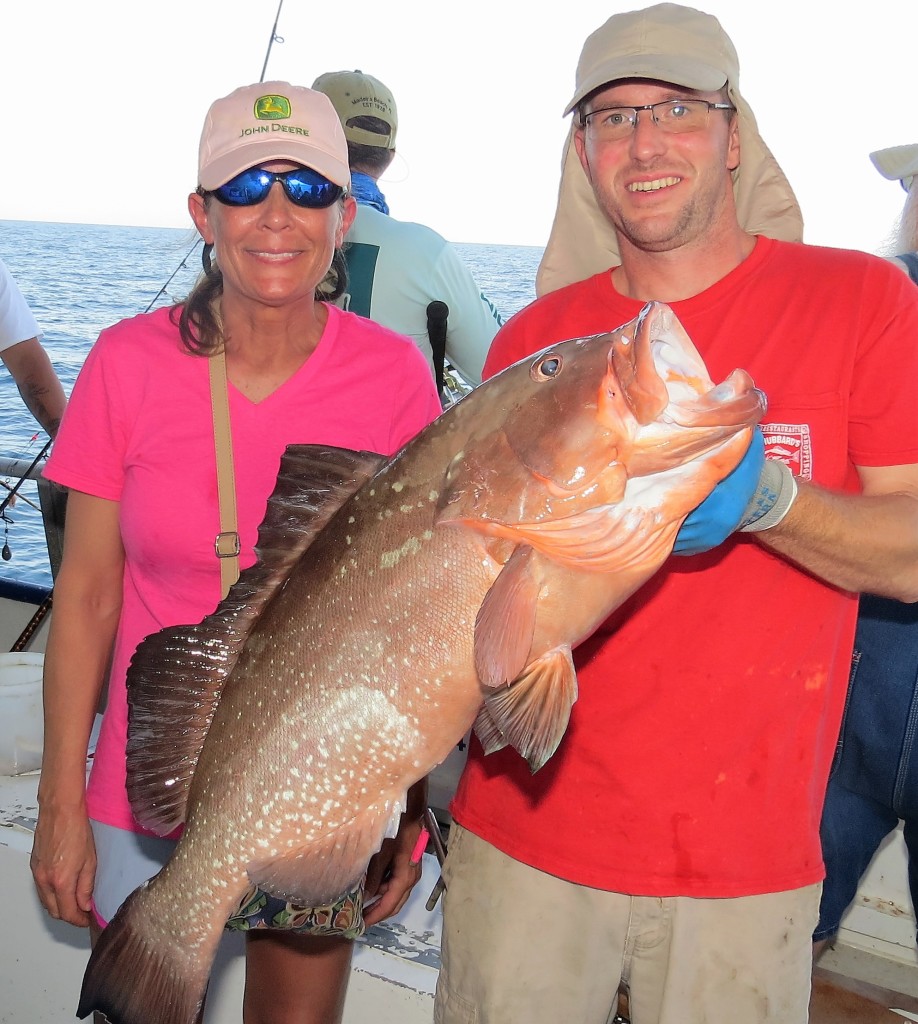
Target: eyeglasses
{"points": [[613, 123], [302, 185]]}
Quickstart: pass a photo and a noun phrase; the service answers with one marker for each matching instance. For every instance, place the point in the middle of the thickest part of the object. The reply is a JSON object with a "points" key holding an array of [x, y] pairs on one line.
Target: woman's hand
{"points": [[87, 604], [63, 864], [391, 874]]}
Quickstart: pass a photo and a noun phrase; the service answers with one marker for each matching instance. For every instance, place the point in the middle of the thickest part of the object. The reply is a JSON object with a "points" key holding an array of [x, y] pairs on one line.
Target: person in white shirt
{"points": [[396, 268], [26, 359]]}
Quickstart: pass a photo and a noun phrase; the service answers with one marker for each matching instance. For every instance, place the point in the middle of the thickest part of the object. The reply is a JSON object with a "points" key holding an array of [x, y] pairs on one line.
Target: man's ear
{"points": [[733, 144], [579, 142]]}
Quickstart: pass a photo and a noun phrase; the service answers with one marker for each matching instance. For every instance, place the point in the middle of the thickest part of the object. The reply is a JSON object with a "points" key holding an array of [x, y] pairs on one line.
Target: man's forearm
{"points": [[863, 543], [45, 402], [41, 391]]}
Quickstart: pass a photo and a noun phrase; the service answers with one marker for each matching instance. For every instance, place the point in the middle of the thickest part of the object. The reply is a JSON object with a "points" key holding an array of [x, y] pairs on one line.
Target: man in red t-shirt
{"points": [[671, 844]]}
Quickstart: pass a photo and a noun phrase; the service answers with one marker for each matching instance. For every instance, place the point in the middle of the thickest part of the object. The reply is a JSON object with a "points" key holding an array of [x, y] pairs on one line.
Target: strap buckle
{"points": [[226, 544]]}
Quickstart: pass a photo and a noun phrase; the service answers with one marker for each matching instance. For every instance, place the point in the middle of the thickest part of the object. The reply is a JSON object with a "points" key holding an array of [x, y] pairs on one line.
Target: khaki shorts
{"points": [[524, 947]]}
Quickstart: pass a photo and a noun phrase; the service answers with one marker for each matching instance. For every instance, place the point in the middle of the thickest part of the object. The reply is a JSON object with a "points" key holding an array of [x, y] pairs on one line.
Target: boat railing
{"points": [[20, 469], [52, 502]]}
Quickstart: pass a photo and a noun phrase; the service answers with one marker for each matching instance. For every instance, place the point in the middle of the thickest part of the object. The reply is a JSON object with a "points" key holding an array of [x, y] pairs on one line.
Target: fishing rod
{"points": [[184, 263], [22, 497], [275, 38], [25, 637], [31, 627], [22, 479]]}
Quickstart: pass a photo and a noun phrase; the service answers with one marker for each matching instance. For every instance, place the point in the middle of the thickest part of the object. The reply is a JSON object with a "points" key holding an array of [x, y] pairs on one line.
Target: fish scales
{"points": [[394, 604]]}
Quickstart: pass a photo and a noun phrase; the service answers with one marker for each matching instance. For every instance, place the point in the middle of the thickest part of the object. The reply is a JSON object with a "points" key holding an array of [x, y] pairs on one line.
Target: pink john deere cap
{"points": [[271, 121]]}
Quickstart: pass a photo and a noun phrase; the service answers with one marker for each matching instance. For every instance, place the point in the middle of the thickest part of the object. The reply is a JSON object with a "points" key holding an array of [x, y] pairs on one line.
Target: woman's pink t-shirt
{"points": [[139, 430]]}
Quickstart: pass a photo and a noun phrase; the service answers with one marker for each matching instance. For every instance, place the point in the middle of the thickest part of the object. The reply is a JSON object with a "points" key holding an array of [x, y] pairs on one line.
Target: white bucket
{"points": [[21, 730]]}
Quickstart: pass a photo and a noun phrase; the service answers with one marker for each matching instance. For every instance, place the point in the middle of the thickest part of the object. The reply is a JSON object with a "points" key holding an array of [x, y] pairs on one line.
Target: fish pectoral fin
{"points": [[487, 731], [532, 714], [316, 874], [505, 623]]}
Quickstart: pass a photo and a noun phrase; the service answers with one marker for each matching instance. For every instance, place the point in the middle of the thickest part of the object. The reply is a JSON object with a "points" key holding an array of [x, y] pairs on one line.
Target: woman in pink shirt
{"points": [[137, 452]]}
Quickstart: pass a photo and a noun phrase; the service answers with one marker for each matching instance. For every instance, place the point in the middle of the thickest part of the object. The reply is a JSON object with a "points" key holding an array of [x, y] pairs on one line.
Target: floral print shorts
{"points": [[258, 909]]}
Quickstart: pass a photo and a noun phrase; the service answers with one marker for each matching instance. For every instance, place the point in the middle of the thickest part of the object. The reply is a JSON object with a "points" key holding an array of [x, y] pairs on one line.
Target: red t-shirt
{"points": [[697, 753]]}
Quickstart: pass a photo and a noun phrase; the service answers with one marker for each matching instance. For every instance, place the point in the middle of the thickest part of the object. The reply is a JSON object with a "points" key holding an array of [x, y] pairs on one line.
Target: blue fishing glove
{"points": [[722, 511]]}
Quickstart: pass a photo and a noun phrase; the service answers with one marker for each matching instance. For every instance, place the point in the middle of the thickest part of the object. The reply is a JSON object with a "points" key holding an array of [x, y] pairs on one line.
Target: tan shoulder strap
{"points": [[226, 543]]}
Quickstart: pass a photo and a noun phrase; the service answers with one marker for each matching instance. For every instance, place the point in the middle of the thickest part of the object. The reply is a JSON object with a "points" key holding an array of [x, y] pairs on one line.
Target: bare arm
{"points": [[87, 605], [866, 543], [41, 391]]}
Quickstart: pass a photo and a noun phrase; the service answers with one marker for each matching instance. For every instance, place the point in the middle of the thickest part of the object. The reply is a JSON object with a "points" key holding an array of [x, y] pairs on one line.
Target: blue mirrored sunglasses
{"points": [[303, 186]]}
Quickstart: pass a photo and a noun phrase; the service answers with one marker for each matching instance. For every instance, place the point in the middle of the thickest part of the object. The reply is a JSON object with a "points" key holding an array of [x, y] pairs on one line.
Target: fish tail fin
{"points": [[135, 976]]}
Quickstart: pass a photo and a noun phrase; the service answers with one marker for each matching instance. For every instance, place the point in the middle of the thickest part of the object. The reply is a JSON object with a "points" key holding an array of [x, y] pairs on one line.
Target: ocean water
{"points": [[79, 278]]}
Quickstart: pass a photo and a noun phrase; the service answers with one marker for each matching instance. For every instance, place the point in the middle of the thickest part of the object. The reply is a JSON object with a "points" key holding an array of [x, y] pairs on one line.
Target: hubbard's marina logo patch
{"points": [[792, 444], [272, 108]]}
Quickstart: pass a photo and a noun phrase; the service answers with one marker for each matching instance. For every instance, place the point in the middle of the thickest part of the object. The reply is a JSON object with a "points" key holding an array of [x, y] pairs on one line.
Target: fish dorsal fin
{"points": [[532, 714], [313, 482], [505, 622], [318, 873], [176, 676]]}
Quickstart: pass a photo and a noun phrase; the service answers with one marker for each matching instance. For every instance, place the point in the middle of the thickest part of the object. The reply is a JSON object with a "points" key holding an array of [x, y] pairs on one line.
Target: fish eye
{"points": [[546, 368]]}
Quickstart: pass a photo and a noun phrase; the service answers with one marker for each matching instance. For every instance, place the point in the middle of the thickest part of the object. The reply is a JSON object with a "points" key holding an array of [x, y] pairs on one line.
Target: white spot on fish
{"points": [[389, 559], [398, 487]]}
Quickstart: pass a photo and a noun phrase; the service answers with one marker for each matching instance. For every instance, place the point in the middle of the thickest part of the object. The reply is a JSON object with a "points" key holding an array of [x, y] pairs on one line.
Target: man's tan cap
{"points": [[668, 42], [354, 94]]}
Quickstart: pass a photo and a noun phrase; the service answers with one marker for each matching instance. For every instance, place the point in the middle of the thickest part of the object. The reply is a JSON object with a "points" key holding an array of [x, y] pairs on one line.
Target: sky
{"points": [[105, 99]]}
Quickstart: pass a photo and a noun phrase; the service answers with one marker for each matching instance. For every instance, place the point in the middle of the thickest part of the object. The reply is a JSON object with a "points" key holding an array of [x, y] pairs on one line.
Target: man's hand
{"points": [[722, 511]]}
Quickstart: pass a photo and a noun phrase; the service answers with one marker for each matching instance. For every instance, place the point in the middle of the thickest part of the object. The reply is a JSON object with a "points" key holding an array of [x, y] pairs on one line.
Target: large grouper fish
{"points": [[395, 603]]}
